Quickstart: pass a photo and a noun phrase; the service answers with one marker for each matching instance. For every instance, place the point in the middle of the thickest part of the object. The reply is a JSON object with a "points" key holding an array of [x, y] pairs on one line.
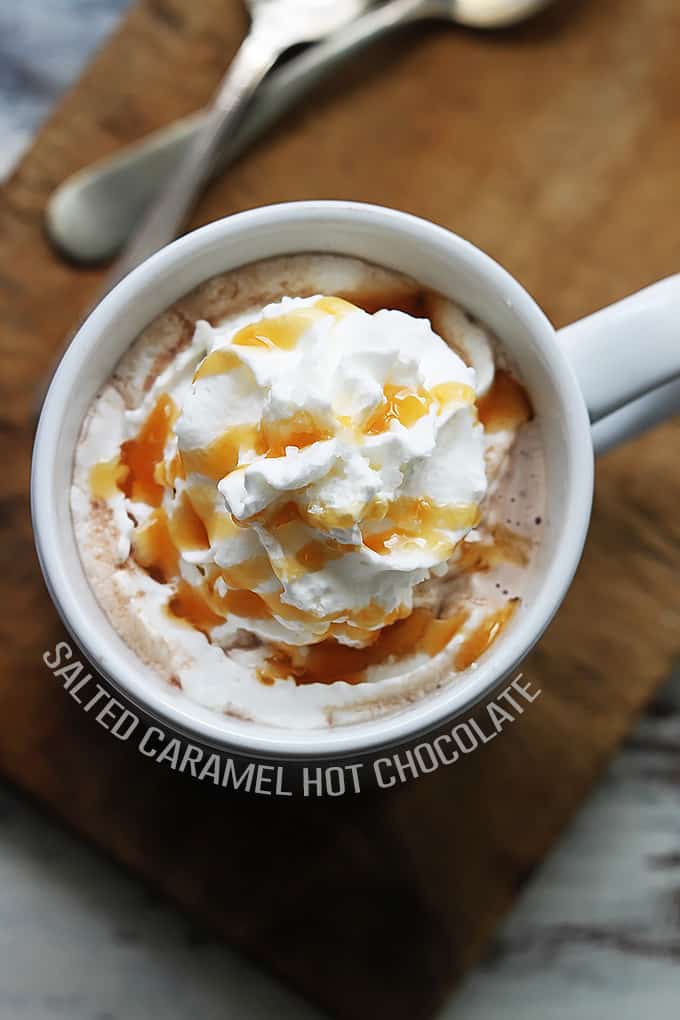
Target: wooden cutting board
{"points": [[555, 148]]}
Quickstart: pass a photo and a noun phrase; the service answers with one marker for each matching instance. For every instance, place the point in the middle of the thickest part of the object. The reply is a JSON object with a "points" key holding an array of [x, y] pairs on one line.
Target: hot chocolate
{"points": [[311, 492]]}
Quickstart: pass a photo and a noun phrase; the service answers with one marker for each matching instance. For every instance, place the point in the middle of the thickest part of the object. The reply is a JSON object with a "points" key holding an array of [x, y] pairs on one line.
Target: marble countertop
{"points": [[595, 934]]}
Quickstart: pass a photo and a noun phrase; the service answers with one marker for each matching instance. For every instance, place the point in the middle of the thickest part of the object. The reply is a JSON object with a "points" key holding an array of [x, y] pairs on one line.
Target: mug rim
{"points": [[425, 714]]}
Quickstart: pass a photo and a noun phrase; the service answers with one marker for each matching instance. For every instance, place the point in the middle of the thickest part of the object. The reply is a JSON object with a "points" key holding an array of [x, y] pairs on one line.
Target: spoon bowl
{"points": [[493, 13]]}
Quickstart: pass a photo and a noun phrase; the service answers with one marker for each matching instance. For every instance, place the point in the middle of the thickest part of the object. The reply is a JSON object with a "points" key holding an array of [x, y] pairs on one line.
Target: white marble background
{"points": [[595, 936]]}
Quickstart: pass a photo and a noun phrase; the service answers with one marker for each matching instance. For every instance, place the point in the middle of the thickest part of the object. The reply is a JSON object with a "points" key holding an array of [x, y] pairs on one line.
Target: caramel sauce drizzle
{"points": [[327, 518], [370, 616], [166, 474], [453, 392], [266, 439], [484, 635], [238, 602], [301, 430], [221, 456], [407, 406], [106, 478], [409, 520], [329, 661], [153, 548], [141, 454], [218, 523], [284, 610], [283, 332], [283, 514], [218, 363], [315, 555], [187, 530], [202, 608], [189, 605], [420, 520], [505, 406], [365, 622], [312, 556], [400, 404], [248, 574]]}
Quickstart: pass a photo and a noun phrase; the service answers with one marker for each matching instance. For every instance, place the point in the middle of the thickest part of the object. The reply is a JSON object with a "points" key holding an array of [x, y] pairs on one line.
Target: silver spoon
{"points": [[93, 213], [275, 26]]}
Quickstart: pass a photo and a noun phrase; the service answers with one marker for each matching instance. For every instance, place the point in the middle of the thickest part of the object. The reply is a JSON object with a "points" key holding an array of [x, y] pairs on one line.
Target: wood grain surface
{"points": [[555, 148]]}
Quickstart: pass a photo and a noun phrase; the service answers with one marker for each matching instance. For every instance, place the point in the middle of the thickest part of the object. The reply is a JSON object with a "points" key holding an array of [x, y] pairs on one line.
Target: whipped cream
{"points": [[335, 459]]}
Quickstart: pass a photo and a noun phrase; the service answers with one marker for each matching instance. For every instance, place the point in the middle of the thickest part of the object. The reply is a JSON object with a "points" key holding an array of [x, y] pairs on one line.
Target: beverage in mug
{"points": [[310, 492]]}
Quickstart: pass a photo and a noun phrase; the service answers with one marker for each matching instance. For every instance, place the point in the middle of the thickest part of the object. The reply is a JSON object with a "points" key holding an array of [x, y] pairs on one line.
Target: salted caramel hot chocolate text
{"points": [[310, 493]]}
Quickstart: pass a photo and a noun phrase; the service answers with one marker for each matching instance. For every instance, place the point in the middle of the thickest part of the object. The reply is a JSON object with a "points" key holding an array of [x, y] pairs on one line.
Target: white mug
{"points": [[579, 377]]}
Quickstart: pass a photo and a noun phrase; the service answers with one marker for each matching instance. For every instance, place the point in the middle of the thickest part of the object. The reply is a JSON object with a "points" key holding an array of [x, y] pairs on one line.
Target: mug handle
{"points": [[627, 360]]}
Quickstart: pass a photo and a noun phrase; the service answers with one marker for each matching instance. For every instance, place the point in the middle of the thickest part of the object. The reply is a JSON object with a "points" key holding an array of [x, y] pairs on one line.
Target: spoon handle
{"points": [[91, 215], [175, 199]]}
